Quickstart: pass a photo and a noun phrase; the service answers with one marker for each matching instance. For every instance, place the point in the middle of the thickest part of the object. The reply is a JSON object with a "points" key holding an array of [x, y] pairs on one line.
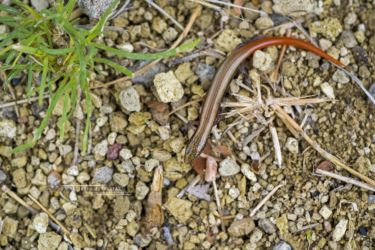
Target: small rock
{"points": [[245, 169], [121, 206], [267, 226], [340, 77], [101, 149], [94, 8], [3, 176], [325, 44], [348, 39], [362, 230], [228, 167], [142, 240], [256, 235], [19, 162], [9, 227], [19, 178], [118, 123], [227, 41], [113, 151], [250, 15], [327, 226], [339, 230], [180, 209], [159, 25], [8, 129], [103, 175], [325, 212], [54, 180], [292, 145], [73, 170], [293, 7], [205, 72], [327, 90], [39, 5], [168, 87], [184, 72], [264, 22], [170, 34], [262, 61], [129, 99], [141, 190], [49, 241], [121, 179], [40, 223], [126, 154], [329, 27], [241, 227], [282, 245], [39, 179], [150, 164]]}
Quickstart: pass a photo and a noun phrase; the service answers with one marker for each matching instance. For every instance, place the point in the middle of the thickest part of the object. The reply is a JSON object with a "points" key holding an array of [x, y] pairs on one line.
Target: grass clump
{"points": [[31, 47]]}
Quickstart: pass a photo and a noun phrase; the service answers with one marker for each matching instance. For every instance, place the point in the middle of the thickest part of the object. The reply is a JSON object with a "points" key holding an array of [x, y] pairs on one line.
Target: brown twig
{"points": [[185, 105], [296, 128], [345, 179]]}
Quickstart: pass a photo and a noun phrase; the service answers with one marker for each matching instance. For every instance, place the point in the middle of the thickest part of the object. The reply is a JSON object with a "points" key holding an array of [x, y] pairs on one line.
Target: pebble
{"points": [[129, 99], [150, 164], [329, 27], [180, 209], [19, 162], [250, 15], [142, 240], [340, 77], [293, 7], [256, 235], [245, 170], [227, 41], [234, 192], [282, 245], [126, 154], [184, 72], [118, 123], [170, 34], [141, 190], [8, 129], [241, 227], [328, 90], [228, 167], [264, 22], [94, 8], [19, 178], [54, 180], [103, 174], [3, 176], [267, 226], [325, 212], [292, 145], [9, 227], [339, 230], [168, 87], [49, 241], [348, 39], [325, 44], [39, 179], [73, 171], [121, 179], [100, 149], [40, 223], [159, 25], [262, 61], [39, 5], [205, 72], [362, 230], [113, 151], [121, 206]]}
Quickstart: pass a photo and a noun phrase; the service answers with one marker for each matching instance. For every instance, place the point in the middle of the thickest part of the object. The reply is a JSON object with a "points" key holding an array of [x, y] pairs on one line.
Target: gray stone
{"points": [[39, 5], [94, 8], [130, 100], [340, 230], [241, 227], [228, 167], [348, 39], [340, 77], [103, 175], [141, 190], [282, 245], [267, 226], [19, 178], [40, 223], [49, 241], [3, 176], [8, 129]]}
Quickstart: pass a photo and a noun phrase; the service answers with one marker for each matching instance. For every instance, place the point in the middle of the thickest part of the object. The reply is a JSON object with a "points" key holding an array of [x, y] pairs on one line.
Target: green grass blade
{"points": [[64, 117], [29, 83], [69, 8], [116, 66], [43, 81], [9, 9], [145, 56]]}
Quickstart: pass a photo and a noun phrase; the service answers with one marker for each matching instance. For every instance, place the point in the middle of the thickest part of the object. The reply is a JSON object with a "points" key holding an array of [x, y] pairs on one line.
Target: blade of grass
{"points": [[43, 81], [30, 70], [116, 66], [146, 56], [64, 116], [8, 9]]}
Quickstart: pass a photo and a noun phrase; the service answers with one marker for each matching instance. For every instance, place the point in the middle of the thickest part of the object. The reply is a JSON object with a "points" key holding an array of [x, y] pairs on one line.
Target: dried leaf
{"points": [[222, 150], [211, 169], [200, 191], [199, 163], [159, 111], [158, 106], [325, 165]]}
